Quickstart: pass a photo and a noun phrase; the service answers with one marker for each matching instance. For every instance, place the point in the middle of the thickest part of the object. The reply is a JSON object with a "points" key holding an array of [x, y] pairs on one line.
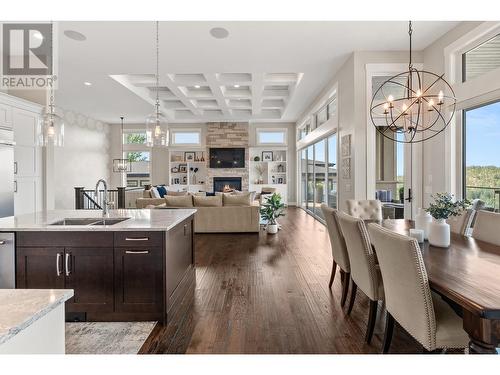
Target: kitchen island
{"points": [[132, 265]]}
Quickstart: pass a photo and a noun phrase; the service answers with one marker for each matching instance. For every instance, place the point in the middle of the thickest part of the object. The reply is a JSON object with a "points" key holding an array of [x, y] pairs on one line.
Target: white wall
{"points": [[291, 156], [436, 177], [83, 160], [353, 115]]}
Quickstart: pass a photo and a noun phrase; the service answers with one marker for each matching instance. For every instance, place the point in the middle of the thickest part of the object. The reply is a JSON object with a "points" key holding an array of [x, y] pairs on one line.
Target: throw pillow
{"points": [[155, 193], [162, 190], [215, 201], [243, 199], [179, 201]]}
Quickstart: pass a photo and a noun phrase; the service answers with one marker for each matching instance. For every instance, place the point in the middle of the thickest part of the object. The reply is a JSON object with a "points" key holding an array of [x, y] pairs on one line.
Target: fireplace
{"points": [[227, 183]]}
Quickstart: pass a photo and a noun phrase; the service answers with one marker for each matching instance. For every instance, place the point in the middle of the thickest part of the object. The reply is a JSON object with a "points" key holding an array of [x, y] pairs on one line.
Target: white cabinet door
{"points": [[25, 196], [28, 162], [5, 116]]}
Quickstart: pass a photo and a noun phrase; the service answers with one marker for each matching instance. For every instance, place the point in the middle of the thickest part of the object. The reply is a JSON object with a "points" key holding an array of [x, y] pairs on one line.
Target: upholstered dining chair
{"points": [[339, 250], [365, 209], [364, 271], [408, 297], [487, 227], [462, 223]]}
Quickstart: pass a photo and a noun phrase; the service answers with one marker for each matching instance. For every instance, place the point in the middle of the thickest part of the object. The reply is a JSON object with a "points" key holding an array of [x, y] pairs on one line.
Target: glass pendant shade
{"points": [[52, 129], [157, 133]]}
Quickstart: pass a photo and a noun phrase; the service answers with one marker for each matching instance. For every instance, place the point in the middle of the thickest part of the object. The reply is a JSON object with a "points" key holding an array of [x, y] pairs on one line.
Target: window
{"points": [[481, 59], [481, 157], [140, 168], [332, 108], [134, 137], [318, 176], [186, 137], [271, 137]]}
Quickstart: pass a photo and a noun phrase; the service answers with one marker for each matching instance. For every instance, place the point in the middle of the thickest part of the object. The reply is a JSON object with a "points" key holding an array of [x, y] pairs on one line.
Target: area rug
{"points": [[106, 337]]}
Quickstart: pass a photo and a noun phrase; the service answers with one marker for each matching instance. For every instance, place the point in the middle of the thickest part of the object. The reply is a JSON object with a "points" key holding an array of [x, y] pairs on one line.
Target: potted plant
{"points": [[271, 210], [443, 208]]}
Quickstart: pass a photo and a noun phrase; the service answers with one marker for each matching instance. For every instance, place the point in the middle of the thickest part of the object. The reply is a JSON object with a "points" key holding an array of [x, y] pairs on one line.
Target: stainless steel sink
{"points": [[89, 221]]}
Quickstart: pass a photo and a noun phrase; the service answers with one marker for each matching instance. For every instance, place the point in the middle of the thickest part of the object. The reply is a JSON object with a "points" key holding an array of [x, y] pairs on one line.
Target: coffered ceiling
{"points": [[216, 96], [280, 67]]}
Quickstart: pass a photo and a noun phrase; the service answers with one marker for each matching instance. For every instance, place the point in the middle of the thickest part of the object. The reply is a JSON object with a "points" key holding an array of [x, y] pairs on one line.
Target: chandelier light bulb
{"points": [[431, 104], [390, 98], [419, 93], [404, 107], [51, 131], [440, 96]]}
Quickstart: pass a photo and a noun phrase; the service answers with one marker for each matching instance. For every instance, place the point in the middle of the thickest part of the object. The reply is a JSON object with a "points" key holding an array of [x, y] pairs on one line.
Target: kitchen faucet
{"points": [[105, 202]]}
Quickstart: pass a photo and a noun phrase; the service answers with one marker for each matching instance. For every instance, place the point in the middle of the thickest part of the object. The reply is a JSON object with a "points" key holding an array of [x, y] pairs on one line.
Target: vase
{"points": [[439, 233], [422, 222], [272, 228]]}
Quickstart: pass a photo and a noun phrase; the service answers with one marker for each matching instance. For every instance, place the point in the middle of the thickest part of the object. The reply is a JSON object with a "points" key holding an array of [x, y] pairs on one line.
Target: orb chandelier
{"points": [[52, 124], [412, 106], [156, 124], [122, 164]]}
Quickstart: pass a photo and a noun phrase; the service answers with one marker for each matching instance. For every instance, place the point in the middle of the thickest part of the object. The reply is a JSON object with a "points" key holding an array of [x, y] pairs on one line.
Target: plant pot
{"points": [[439, 233], [272, 228]]}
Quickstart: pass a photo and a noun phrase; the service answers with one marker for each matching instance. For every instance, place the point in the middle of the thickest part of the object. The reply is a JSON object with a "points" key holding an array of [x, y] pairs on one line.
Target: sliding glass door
{"points": [[318, 175]]}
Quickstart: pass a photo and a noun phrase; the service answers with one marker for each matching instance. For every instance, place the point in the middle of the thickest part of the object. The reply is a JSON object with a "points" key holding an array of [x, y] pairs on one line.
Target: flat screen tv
{"points": [[227, 158]]}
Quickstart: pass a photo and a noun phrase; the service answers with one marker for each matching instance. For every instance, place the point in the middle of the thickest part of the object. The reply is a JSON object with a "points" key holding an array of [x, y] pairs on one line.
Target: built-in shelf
{"points": [[182, 172], [269, 173]]}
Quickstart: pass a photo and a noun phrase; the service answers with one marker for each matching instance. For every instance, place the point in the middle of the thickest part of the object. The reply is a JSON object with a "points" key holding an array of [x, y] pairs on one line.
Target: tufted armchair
{"points": [[365, 209]]}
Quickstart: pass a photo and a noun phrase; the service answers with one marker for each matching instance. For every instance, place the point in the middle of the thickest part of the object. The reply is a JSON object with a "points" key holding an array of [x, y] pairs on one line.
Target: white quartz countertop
{"points": [[151, 220], [19, 308]]}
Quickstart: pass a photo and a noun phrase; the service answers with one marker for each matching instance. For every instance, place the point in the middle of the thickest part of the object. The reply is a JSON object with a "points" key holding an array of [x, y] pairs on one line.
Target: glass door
{"points": [[319, 177], [332, 171], [310, 178], [303, 178]]}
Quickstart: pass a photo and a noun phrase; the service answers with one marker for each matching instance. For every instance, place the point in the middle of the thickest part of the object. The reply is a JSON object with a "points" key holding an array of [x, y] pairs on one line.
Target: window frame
{"points": [[175, 131], [472, 46], [271, 130]]}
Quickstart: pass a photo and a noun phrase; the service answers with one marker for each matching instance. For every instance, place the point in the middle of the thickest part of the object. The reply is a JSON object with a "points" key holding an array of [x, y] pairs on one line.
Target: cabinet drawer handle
{"points": [[137, 239], [58, 264], [15, 167], [2, 242], [68, 271], [137, 252]]}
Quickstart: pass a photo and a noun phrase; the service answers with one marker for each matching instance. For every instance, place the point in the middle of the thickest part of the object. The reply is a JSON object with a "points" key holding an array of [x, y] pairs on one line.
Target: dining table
{"points": [[467, 273]]}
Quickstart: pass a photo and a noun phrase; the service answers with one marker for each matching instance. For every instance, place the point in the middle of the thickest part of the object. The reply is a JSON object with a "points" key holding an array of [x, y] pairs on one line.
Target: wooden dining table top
{"points": [[467, 272]]}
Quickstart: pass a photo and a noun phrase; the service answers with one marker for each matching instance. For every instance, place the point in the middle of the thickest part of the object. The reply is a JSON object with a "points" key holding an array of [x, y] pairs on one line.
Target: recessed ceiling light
{"points": [[196, 86], [219, 33], [87, 83], [236, 86], [75, 35]]}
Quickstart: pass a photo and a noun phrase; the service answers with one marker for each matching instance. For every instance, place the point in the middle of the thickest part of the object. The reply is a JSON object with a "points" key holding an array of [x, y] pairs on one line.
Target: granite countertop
{"points": [[150, 220], [19, 308]]}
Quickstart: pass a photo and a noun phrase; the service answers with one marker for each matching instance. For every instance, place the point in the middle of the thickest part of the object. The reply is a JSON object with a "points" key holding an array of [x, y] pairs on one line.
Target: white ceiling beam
{"points": [[257, 89], [172, 86], [214, 85]]}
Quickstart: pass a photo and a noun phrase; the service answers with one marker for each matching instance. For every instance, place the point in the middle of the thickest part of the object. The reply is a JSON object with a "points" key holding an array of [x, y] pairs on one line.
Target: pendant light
{"points": [[52, 124], [122, 165], [157, 133], [421, 107]]}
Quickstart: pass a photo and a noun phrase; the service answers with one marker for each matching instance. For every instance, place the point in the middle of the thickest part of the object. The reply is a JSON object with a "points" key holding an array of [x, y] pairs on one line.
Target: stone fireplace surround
{"points": [[228, 134]]}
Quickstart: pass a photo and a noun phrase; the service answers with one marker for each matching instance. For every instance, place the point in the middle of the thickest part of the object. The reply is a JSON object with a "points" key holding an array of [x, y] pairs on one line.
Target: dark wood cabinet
{"points": [[179, 256], [40, 268], [89, 272], [116, 276], [138, 280]]}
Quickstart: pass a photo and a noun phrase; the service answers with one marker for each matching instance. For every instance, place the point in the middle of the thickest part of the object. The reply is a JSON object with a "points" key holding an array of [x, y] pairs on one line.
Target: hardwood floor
{"points": [[258, 293]]}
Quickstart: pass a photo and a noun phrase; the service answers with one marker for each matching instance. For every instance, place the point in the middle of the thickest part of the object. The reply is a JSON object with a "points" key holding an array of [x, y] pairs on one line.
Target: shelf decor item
{"points": [[182, 168], [414, 104], [267, 156], [256, 158], [202, 156], [443, 208], [189, 156], [270, 211]]}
